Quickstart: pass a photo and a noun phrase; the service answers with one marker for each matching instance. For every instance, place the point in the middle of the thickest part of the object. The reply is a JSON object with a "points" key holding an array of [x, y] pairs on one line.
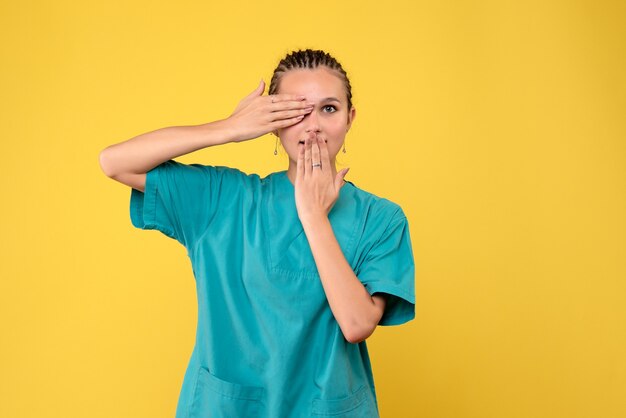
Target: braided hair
{"points": [[309, 58]]}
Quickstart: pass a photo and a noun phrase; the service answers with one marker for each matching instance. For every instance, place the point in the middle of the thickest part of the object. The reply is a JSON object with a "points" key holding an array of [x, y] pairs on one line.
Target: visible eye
{"points": [[329, 109]]}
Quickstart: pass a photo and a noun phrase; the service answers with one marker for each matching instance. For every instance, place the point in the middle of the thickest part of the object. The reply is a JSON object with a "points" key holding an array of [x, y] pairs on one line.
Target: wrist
{"points": [[222, 131], [312, 221]]}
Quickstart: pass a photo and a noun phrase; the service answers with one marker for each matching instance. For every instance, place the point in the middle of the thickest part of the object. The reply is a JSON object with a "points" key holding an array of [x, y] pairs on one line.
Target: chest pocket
{"points": [[288, 249], [291, 253], [296, 258]]}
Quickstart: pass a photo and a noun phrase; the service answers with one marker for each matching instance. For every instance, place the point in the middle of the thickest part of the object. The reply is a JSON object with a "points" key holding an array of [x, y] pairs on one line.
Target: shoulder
{"points": [[375, 206], [211, 173]]}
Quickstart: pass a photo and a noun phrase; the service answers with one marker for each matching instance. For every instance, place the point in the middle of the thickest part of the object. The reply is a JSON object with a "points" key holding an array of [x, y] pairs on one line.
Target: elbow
{"points": [[363, 326], [358, 333], [106, 164]]}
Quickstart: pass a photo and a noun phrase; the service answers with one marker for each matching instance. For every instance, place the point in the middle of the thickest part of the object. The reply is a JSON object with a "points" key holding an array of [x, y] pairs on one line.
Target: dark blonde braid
{"points": [[310, 58]]}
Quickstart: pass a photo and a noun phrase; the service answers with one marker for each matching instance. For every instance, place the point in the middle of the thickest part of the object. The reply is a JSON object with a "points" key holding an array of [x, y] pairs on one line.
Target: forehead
{"points": [[316, 83]]}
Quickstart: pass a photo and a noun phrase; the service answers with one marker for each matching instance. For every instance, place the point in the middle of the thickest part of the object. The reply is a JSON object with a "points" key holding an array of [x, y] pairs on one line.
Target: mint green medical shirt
{"points": [[267, 344]]}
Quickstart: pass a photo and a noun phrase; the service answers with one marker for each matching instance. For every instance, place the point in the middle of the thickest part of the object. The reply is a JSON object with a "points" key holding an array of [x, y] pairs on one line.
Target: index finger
{"points": [[275, 98]]}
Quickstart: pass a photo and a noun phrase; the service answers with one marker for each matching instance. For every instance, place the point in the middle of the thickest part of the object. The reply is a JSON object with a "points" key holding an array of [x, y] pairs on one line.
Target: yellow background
{"points": [[498, 126]]}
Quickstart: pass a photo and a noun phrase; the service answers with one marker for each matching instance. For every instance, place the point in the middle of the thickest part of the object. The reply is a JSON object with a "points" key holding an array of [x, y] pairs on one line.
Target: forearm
{"points": [[144, 152], [351, 304]]}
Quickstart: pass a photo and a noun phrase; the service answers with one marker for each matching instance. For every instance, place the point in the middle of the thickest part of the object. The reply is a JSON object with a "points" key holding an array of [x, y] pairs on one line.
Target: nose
{"points": [[312, 123]]}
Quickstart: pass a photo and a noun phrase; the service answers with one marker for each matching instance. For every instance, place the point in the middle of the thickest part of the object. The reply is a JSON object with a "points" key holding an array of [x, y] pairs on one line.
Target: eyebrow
{"points": [[331, 99]]}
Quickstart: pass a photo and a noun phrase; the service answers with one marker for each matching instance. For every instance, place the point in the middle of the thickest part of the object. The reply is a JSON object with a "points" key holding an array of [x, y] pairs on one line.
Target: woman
{"points": [[293, 270]]}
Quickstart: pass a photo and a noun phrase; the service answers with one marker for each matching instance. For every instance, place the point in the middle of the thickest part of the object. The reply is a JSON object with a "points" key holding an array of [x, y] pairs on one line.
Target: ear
{"points": [[351, 116]]}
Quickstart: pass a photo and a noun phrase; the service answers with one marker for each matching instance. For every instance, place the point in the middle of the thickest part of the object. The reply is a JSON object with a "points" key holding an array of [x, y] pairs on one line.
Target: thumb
{"points": [[339, 179], [258, 91]]}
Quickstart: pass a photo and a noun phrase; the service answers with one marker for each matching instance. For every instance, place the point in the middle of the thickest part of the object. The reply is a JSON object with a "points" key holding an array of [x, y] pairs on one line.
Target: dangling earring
{"points": [[344, 147], [276, 147]]}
